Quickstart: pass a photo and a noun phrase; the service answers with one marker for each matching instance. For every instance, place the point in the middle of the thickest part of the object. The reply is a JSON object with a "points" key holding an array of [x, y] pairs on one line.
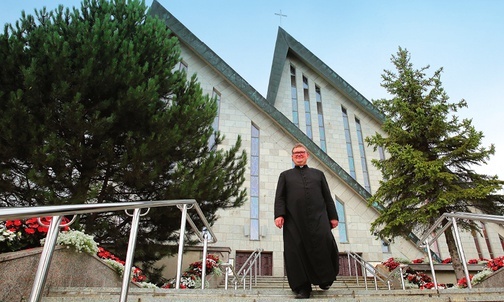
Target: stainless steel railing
{"points": [[451, 220], [251, 268], [228, 268], [57, 213], [366, 268]]}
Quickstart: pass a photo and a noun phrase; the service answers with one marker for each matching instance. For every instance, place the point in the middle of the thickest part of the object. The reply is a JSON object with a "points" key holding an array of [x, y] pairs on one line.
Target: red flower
{"points": [[391, 264], [463, 281], [30, 231], [447, 260]]}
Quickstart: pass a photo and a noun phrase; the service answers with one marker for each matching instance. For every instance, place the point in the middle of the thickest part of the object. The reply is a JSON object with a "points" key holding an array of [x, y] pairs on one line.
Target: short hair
{"points": [[299, 145]]}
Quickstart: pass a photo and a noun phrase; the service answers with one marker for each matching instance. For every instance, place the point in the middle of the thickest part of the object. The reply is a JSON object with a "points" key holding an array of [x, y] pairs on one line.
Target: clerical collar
{"points": [[302, 167]]}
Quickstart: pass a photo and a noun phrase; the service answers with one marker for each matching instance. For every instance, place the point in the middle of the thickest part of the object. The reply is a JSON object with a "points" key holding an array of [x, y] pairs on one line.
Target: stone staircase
{"points": [[346, 289], [264, 295], [343, 282]]}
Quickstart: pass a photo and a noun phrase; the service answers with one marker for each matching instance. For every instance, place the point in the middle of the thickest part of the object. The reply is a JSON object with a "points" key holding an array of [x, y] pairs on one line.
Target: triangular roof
{"points": [[188, 38], [285, 44]]}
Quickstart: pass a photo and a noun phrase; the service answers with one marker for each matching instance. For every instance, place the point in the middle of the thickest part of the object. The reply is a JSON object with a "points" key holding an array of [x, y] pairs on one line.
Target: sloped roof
{"points": [[285, 43], [189, 39]]}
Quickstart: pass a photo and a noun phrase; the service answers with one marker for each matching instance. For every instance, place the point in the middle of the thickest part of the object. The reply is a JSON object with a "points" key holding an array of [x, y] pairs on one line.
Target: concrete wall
{"points": [[68, 268]]}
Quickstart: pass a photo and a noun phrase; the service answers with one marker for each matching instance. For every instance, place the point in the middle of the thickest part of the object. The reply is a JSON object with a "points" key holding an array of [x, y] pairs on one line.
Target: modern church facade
{"points": [[307, 102]]}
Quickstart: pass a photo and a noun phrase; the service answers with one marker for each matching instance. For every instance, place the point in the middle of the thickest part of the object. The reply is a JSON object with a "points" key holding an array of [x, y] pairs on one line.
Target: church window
{"points": [[254, 184], [183, 66], [346, 126], [306, 96], [295, 113], [320, 115], [342, 226], [215, 124], [362, 152]]}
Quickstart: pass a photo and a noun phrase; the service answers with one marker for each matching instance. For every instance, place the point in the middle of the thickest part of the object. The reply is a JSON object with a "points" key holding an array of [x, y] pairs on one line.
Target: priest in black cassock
{"points": [[305, 209]]}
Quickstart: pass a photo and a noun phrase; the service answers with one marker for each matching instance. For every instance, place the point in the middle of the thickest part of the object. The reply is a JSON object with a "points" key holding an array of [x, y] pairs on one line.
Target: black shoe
{"points": [[303, 295], [325, 286]]}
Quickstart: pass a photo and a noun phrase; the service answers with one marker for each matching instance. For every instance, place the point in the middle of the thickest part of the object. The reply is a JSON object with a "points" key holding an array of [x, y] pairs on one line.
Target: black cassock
{"points": [[304, 200]]}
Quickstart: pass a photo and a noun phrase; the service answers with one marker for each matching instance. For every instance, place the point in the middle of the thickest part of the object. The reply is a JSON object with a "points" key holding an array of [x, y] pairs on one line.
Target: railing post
{"points": [[45, 259], [402, 278], [460, 249], [364, 275], [433, 271], [129, 255], [203, 262], [181, 245], [356, 271]]}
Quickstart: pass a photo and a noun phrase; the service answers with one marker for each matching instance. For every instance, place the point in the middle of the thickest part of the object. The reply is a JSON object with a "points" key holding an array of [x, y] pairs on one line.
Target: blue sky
{"points": [[356, 39]]}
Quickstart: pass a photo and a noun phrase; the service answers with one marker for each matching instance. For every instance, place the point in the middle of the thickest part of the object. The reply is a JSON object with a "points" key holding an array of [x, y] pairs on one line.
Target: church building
{"points": [[309, 103]]}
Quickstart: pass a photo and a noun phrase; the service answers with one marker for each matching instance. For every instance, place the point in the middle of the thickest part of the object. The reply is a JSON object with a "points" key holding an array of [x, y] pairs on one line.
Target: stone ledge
{"points": [[68, 269]]}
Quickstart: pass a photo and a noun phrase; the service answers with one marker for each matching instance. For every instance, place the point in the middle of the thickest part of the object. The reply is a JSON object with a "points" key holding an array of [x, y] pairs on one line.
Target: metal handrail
{"points": [[229, 268], [57, 213], [400, 270], [366, 267], [251, 267], [435, 232]]}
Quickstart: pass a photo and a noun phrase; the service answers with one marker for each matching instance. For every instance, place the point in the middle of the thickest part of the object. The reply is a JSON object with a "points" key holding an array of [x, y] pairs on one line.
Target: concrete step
{"points": [[343, 282], [264, 295]]}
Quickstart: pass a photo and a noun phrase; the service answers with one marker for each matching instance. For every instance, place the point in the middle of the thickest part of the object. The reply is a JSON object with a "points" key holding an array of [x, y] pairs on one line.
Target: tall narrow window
{"points": [[381, 152], [342, 227], [215, 124], [487, 239], [474, 234], [183, 66], [295, 113], [254, 184], [362, 152], [346, 126], [385, 247], [320, 116], [306, 96]]}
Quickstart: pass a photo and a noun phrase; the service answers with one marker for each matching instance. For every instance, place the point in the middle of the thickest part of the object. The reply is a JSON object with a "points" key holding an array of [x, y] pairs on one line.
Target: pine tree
{"points": [[431, 158], [93, 109]]}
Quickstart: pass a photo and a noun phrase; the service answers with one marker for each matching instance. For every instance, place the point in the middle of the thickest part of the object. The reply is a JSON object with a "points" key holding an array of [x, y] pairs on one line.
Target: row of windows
{"points": [[322, 134]]}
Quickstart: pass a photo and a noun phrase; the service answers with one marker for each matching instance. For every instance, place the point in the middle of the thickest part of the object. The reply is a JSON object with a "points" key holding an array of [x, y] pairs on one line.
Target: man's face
{"points": [[299, 156]]}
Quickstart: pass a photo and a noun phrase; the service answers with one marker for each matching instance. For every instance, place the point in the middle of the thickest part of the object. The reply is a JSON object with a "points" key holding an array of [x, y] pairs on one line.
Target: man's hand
{"points": [[279, 222], [334, 223]]}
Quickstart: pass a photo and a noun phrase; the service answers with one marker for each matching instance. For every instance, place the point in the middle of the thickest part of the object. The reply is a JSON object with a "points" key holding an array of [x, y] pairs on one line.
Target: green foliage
{"points": [[431, 156], [93, 109]]}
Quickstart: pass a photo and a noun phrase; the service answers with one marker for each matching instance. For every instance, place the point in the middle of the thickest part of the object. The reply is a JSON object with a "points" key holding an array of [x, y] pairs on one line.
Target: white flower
{"points": [[147, 285], [7, 235], [481, 276], [77, 239]]}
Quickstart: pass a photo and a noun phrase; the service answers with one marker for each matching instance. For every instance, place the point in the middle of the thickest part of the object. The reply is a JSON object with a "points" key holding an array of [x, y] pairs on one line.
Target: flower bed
{"points": [[17, 235], [191, 278], [415, 279]]}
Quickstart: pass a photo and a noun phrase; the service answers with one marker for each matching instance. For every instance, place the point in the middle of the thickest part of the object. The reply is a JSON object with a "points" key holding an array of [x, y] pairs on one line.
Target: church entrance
{"points": [[266, 262]]}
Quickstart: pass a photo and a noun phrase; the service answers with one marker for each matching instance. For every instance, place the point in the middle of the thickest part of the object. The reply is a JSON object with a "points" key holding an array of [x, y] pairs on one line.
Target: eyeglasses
{"points": [[299, 153]]}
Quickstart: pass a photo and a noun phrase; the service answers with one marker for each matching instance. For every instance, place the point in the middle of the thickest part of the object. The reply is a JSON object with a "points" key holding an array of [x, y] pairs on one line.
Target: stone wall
{"points": [[495, 280], [68, 269]]}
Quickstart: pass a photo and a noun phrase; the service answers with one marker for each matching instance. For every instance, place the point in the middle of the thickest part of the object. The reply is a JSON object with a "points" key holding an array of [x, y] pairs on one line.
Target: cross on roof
{"points": [[280, 15]]}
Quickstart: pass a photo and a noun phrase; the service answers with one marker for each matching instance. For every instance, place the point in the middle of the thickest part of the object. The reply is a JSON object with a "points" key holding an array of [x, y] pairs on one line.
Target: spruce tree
{"points": [[431, 156], [93, 109]]}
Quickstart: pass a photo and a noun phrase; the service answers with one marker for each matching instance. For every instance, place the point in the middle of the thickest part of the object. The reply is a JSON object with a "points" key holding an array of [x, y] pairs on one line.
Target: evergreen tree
{"points": [[93, 109], [431, 156]]}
